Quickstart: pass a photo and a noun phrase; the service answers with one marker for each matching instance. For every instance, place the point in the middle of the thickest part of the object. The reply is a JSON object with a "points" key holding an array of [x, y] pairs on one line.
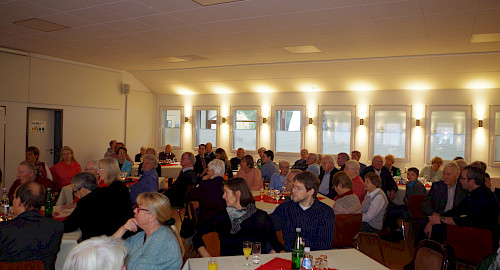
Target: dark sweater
{"points": [[209, 194]]}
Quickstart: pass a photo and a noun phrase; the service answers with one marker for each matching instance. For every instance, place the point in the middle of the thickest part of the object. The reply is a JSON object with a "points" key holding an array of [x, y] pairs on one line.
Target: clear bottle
{"points": [[5, 203], [297, 250], [307, 260], [49, 204]]}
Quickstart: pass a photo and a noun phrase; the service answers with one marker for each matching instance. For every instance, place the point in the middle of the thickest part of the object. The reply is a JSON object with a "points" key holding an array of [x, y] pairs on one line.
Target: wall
{"points": [[479, 99]]}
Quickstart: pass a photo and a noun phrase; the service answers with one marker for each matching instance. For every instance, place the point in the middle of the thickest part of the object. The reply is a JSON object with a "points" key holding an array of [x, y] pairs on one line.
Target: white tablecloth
{"points": [[269, 207], [166, 171], [345, 259]]}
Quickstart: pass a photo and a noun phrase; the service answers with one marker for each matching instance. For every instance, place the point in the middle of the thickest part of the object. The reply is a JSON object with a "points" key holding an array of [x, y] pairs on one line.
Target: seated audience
{"points": [[374, 205], [389, 186], [167, 154], [159, 245], [93, 168], [301, 163], [148, 180], [187, 177], [26, 172], [479, 208], [111, 152], [66, 195], [32, 154], [252, 175], [347, 202], [260, 151], [67, 167], [235, 161], [241, 221], [312, 164], [358, 185], [123, 163], [30, 236], [320, 157], [461, 163], [326, 177], [150, 151], [342, 158], [268, 167], [479, 164], [209, 192], [209, 153], [305, 211], [433, 173], [117, 146], [99, 211], [389, 161], [356, 155], [201, 163], [278, 179], [289, 179], [138, 157], [103, 253], [221, 155]]}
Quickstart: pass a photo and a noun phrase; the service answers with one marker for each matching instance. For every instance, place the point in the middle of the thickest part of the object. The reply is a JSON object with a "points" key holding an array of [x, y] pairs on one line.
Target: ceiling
{"points": [[238, 46]]}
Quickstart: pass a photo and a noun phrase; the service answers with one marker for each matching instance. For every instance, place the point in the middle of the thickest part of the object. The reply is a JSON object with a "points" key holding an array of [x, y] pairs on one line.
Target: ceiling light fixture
{"points": [[41, 25]]}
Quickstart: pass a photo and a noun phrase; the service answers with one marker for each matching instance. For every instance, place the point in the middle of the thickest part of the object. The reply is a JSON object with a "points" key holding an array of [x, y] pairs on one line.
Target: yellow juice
{"points": [[247, 252], [212, 266]]}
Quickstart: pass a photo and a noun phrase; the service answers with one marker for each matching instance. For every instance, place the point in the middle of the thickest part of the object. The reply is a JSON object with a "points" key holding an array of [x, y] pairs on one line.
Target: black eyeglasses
{"points": [[75, 191]]}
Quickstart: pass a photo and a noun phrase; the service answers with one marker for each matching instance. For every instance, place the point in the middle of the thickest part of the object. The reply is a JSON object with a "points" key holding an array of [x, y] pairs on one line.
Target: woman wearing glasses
{"points": [[159, 245]]}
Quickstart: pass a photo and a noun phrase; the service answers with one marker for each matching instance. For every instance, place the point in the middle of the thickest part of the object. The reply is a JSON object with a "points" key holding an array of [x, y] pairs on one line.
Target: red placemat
{"points": [[427, 185], [267, 199], [279, 264]]}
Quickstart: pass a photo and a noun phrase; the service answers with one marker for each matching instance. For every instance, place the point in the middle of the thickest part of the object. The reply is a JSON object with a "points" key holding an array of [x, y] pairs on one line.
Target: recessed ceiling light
{"points": [[302, 49], [213, 2], [479, 38], [177, 59], [41, 25]]}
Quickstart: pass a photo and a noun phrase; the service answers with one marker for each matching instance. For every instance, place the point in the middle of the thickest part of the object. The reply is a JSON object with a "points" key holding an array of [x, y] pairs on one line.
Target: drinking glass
{"points": [[256, 252], [212, 264], [124, 175], [247, 250], [261, 194], [267, 186], [319, 264]]}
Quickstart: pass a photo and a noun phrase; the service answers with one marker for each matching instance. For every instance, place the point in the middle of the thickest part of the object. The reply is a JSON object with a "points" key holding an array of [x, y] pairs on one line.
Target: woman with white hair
{"points": [[209, 192], [103, 252]]}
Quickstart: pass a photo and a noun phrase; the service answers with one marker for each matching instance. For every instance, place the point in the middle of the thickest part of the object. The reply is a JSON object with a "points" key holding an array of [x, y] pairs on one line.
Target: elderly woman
{"points": [[32, 154], [241, 221], [433, 173], [221, 154], [389, 160], [251, 174], [159, 245], [103, 252], [374, 205], [150, 151], [347, 202], [123, 163], [209, 192], [138, 157], [66, 168], [278, 179]]}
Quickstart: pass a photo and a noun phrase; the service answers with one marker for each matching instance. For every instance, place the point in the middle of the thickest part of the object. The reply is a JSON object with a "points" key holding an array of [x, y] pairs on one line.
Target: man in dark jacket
{"points": [[187, 177], [388, 184]]}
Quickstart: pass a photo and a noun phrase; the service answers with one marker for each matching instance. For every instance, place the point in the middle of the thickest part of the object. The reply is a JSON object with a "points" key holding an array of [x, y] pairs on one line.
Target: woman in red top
{"points": [[64, 171]]}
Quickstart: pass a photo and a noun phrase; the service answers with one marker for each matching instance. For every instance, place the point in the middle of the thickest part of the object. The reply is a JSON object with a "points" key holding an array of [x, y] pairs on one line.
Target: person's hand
{"points": [[272, 251], [428, 229], [392, 194], [435, 219], [55, 214], [131, 225]]}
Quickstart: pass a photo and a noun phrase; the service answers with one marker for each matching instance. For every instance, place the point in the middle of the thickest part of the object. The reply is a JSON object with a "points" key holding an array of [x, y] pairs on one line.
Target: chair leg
{"points": [[381, 251]]}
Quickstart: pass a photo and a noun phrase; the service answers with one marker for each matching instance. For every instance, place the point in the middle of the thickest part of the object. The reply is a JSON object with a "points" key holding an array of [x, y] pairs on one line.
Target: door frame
{"points": [[58, 129], [2, 180]]}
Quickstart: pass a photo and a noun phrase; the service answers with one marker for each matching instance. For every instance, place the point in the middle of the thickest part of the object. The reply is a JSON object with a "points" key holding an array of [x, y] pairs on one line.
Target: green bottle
{"points": [[297, 250], [49, 204]]}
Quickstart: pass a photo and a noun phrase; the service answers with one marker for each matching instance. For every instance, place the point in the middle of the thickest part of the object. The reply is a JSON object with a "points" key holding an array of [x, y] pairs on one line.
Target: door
{"points": [[44, 128], [2, 144]]}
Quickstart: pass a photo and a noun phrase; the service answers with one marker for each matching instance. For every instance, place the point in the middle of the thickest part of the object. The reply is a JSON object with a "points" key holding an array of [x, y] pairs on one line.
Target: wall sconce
{"points": [[417, 122], [186, 119], [480, 124], [310, 121], [264, 120], [361, 122], [223, 120]]}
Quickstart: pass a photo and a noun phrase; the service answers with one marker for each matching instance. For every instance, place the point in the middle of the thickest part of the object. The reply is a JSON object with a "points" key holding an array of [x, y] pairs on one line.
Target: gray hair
{"points": [[218, 167], [191, 157], [95, 164], [353, 164], [103, 253], [330, 157], [284, 162], [314, 156], [84, 179], [461, 163], [151, 159]]}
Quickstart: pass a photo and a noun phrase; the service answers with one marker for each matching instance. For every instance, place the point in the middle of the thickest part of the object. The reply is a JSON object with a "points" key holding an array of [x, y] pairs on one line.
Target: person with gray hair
{"points": [[209, 192], [103, 253], [176, 192], [148, 180], [312, 164], [26, 172], [278, 179], [157, 167], [358, 185]]}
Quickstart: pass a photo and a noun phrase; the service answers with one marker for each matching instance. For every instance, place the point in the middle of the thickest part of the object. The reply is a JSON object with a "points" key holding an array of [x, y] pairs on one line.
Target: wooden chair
{"points": [[371, 240], [415, 209], [212, 243], [346, 228], [279, 234], [430, 255], [470, 245], [28, 265]]}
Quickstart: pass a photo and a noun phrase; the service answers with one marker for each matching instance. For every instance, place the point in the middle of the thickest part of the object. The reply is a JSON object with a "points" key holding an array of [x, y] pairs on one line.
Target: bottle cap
{"points": [[307, 249], [298, 229]]}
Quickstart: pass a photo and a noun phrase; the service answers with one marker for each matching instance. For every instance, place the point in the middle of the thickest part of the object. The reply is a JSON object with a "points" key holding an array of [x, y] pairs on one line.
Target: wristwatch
{"points": [[442, 220]]}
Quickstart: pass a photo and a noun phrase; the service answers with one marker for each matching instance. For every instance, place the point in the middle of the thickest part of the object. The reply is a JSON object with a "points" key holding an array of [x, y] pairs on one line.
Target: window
{"points": [[336, 134], [495, 138], [390, 126], [288, 129], [205, 127], [170, 127], [245, 128], [448, 132]]}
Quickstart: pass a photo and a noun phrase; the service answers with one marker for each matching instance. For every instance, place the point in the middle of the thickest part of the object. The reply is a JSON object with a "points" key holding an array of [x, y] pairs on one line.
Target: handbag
{"points": [[187, 226]]}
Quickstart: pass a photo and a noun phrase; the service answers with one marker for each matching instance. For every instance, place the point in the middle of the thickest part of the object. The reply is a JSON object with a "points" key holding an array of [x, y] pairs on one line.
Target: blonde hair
{"points": [[159, 206], [69, 149], [110, 166], [390, 157], [437, 160]]}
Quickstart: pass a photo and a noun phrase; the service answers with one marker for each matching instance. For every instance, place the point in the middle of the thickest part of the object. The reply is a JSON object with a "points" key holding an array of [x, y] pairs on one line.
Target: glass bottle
{"points": [[297, 250]]}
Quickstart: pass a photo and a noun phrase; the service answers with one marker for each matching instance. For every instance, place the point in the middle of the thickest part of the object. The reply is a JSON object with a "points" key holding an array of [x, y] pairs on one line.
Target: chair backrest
{"points": [[28, 265], [430, 255], [212, 243], [469, 244], [346, 228], [415, 206], [279, 234]]}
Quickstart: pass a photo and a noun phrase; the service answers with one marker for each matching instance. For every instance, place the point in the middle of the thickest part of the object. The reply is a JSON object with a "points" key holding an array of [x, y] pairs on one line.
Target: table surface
{"points": [[269, 207], [342, 259], [167, 171]]}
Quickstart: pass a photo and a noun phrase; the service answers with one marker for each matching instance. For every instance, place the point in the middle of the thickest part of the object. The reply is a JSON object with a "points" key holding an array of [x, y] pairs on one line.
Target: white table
{"points": [[166, 171], [269, 207], [344, 259], [398, 200]]}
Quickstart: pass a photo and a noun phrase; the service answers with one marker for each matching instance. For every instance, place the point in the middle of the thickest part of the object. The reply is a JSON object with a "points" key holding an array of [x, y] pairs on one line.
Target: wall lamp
{"points": [[480, 124], [264, 120], [186, 119], [361, 122], [310, 121], [224, 120], [417, 122]]}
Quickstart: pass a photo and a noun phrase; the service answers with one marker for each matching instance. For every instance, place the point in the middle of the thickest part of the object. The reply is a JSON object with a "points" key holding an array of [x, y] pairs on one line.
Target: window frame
{"points": [[182, 124], [371, 144], [468, 128], [303, 124], [322, 109], [493, 110], [257, 128], [194, 121]]}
